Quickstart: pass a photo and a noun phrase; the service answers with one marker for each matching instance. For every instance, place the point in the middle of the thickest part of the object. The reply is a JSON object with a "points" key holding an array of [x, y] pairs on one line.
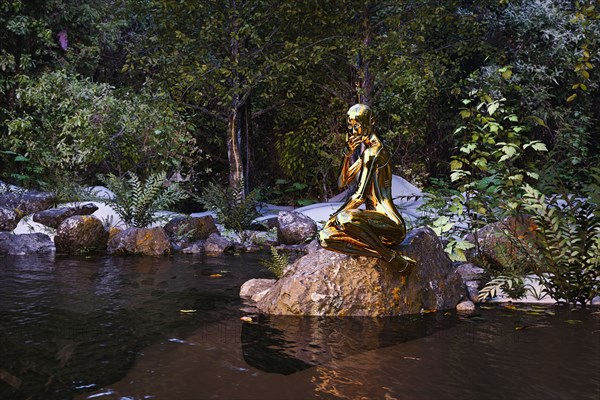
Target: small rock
{"points": [[54, 216], [255, 286], [470, 272], [466, 306], [472, 288], [195, 248], [9, 219], [216, 244], [596, 301], [29, 243], [295, 228]]}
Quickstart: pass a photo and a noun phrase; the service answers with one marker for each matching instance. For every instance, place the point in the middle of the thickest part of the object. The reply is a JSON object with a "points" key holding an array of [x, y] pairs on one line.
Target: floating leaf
{"points": [[188, 311], [573, 321], [246, 319], [215, 275]]}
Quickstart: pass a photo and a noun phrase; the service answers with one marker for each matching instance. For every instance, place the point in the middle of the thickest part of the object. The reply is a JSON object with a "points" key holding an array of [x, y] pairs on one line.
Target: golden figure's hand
{"points": [[353, 142]]}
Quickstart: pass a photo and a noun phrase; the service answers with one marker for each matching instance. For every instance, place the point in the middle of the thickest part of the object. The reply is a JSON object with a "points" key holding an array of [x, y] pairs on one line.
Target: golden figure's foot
{"points": [[401, 261]]}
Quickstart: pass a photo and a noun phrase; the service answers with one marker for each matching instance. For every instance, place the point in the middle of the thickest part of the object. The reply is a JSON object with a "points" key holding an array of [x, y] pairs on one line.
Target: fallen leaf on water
{"points": [[428, 311], [510, 307], [573, 321], [533, 312], [246, 319], [216, 275], [187, 311], [412, 358]]}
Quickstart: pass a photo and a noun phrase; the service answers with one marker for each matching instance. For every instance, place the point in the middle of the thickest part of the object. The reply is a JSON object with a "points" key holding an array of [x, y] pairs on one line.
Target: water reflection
{"points": [[113, 329], [286, 344]]}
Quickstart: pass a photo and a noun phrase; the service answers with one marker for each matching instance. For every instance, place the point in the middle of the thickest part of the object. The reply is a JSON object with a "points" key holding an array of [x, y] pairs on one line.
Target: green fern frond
{"points": [[277, 262]]}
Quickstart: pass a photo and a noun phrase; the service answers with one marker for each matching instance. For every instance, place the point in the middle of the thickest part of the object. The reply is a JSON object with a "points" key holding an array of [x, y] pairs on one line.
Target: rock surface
{"points": [[255, 289], [327, 283], [30, 243], [294, 227], [80, 234], [465, 306], [140, 241], [9, 219], [27, 202], [470, 272], [54, 216], [472, 288]]}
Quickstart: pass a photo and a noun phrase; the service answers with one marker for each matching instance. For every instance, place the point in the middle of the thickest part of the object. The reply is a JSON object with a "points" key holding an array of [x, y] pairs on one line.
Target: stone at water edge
{"points": [[255, 289], [54, 216], [294, 227], [29, 243], [140, 241], [466, 306], [472, 288], [80, 234], [191, 228], [217, 244], [324, 283]]}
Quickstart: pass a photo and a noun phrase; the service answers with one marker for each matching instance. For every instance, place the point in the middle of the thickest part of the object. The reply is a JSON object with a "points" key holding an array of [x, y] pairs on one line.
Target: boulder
{"points": [[503, 243], [294, 227], [325, 283], [80, 234], [9, 219], [191, 228], [140, 241], [27, 202], [217, 244], [29, 243], [54, 216]]}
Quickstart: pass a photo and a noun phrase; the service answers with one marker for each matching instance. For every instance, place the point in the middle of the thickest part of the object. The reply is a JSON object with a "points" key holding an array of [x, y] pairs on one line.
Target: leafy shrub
{"points": [[64, 122], [137, 202]]}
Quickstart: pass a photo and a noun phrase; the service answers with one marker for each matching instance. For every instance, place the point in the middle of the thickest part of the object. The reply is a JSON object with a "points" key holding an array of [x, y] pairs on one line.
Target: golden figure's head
{"points": [[360, 120]]}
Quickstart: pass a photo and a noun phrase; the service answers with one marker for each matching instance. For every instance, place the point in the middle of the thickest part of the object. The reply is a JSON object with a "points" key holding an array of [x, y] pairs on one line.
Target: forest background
{"points": [[232, 91]]}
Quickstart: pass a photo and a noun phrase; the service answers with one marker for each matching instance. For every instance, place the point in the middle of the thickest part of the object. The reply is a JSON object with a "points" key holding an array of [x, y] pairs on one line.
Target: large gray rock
{"points": [[255, 289], [294, 227], [80, 234], [333, 284], [54, 216], [471, 272], [9, 219], [30, 243], [27, 202], [140, 241]]}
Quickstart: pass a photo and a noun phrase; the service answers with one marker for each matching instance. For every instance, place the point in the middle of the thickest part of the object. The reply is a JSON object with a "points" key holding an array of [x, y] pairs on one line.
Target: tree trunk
{"points": [[236, 166]]}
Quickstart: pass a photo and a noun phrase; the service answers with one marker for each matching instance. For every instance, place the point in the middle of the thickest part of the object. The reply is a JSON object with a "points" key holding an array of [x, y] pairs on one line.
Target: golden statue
{"points": [[370, 232]]}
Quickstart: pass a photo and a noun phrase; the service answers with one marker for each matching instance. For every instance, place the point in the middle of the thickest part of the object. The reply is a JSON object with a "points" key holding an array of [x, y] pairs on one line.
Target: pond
{"points": [[170, 328]]}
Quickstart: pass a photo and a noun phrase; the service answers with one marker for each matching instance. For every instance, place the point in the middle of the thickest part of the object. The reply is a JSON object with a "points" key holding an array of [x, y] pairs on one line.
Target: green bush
{"points": [[64, 122]]}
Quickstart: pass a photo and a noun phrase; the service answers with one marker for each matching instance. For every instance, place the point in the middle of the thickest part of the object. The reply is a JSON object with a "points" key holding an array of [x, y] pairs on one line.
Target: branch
{"points": [[206, 111]]}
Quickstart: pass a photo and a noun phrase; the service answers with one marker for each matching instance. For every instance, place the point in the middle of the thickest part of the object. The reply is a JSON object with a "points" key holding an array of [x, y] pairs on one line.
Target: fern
{"points": [[506, 283], [566, 248], [233, 210], [276, 263], [137, 202]]}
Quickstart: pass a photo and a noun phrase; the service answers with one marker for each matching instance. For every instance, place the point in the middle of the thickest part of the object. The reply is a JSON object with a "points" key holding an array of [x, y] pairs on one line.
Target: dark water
{"points": [[113, 328]]}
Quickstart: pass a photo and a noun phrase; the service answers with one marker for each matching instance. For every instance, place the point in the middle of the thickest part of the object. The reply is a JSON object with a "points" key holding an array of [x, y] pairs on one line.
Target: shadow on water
{"points": [[285, 344]]}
